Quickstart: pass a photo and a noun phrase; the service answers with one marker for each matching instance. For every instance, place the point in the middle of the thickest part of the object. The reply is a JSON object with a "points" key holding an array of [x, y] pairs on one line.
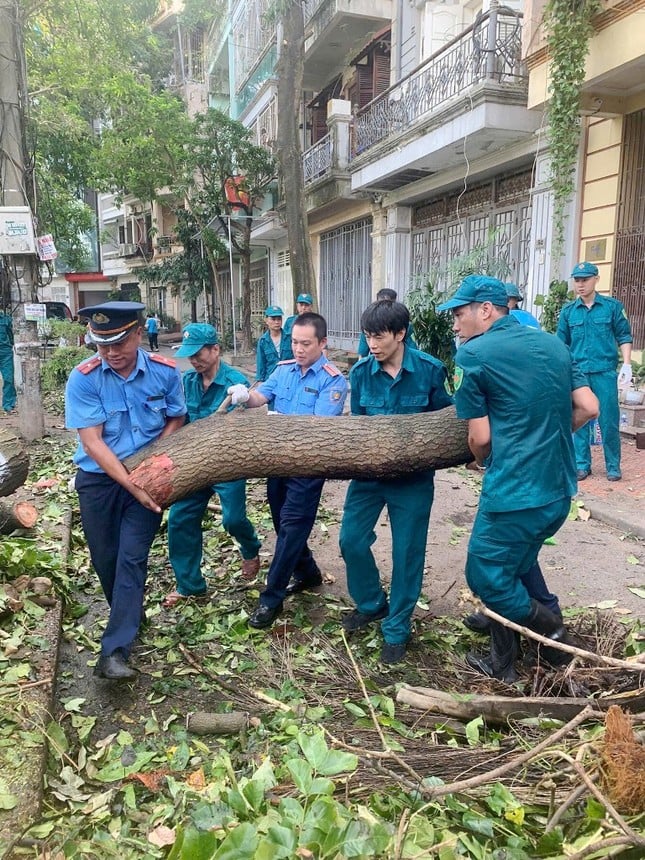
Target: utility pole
{"points": [[20, 265]]}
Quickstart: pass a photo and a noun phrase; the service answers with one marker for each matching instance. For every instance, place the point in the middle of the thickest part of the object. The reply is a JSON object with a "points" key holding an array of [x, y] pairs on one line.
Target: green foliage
{"points": [[638, 373], [559, 294], [568, 27], [55, 372], [432, 330]]}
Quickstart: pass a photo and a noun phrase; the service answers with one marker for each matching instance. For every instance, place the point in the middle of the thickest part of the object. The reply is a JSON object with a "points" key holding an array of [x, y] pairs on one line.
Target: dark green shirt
{"points": [[203, 402], [593, 333], [522, 379]]}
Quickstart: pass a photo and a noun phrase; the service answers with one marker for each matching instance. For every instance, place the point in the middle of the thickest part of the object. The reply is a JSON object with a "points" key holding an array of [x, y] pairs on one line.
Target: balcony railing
{"points": [[316, 161], [489, 50]]}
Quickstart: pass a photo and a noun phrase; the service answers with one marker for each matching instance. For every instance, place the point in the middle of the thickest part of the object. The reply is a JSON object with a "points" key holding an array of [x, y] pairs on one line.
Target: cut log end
{"points": [[205, 723], [17, 515]]}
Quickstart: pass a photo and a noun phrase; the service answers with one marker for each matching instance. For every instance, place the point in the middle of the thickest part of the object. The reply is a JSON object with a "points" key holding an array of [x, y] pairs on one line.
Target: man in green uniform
{"points": [[273, 346], [592, 326], [522, 434], [392, 380], [6, 362], [304, 304], [205, 388]]}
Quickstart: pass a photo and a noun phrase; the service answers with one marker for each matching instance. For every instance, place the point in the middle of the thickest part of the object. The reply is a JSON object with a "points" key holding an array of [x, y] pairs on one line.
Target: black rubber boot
{"points": [[500, 663], [477, 622], [548, 624]]}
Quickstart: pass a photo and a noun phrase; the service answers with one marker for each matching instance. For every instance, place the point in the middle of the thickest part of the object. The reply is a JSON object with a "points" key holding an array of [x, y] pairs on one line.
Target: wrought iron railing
{"points": [[629, 278], [489, 50], [316, 161]]}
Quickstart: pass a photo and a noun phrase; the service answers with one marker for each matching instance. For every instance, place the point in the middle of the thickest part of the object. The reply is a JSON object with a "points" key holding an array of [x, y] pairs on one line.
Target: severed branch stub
{"points": [[254, 444], [205, 723]]}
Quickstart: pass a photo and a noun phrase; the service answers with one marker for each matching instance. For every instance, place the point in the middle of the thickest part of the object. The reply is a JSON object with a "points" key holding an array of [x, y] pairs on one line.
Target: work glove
{"points": [[625, 376], [239, 394]]}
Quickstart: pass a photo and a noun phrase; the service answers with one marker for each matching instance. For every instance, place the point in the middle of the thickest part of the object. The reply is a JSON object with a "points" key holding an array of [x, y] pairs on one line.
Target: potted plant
{"points": [[634, 396]]}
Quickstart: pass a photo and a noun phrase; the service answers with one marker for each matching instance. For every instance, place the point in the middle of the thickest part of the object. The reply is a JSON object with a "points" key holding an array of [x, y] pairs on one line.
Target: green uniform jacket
{"points": [[522, 379], [593, 333], [202, 403]]}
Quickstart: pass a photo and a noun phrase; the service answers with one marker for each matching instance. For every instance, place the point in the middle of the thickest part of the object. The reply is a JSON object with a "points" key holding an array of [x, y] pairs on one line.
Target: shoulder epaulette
{"points": [[169, 362], [89, 365], [331, 370], [287, 361]]}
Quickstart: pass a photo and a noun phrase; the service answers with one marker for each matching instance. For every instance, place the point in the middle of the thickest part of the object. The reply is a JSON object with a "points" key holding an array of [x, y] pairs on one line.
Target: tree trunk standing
{"points": [[253, 444], [290, 79], [14, 462], [245, 258]]}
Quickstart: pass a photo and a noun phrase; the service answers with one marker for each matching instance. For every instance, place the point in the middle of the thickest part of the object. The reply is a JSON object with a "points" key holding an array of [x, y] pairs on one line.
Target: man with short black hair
{"points": [[389, 295], [308, 384], [393, 380], [522, 434]]}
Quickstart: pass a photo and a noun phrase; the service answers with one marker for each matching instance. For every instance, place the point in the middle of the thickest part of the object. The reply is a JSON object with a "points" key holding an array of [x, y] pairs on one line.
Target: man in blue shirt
{"points": [[152, 330], [523, 317], [6, 362], [593, 326], [304, 303], [392, 380], [522, 434], [205, 388], [306, 385], [119, 401], [273, 346]]}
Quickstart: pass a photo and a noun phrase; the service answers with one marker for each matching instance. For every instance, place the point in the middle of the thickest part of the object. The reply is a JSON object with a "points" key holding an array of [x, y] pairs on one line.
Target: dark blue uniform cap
{"points": [[113, 321]]}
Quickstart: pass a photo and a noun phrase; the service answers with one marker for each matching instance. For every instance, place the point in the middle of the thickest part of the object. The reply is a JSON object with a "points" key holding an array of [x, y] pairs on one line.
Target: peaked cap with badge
{"points": [[584, 270], [112, 322]]}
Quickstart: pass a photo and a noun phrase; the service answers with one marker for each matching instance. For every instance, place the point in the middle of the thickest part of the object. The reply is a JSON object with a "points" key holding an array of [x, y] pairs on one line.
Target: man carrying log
{"points": [[305, 385], [205, 389], [119, 401], [522, 434], [393, 380]]}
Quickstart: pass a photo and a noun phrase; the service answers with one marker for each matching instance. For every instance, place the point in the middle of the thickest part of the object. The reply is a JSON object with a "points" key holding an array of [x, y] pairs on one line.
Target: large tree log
{"points": [[252, 444], [14, 462], [17, 515]]}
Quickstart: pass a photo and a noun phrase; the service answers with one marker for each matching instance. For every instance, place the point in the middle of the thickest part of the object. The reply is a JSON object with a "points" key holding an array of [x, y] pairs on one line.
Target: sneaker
{"points": [[250, 567], [393, 652], [357, 620]]}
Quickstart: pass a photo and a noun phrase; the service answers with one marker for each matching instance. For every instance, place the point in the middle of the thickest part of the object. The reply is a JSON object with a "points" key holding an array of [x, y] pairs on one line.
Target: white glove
{"points": [[239, 394], [625, 376]]}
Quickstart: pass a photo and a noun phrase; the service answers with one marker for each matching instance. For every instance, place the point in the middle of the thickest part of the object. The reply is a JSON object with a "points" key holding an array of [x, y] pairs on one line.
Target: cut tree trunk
{"points": [[14, 462], [205, 723], [253, 444], [16, 515]]}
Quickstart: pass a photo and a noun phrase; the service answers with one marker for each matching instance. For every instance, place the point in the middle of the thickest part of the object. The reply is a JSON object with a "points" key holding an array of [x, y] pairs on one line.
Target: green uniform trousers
{"points": [[408, 503], [185, 541], [6, 371], [503, 546], [605, 387]]}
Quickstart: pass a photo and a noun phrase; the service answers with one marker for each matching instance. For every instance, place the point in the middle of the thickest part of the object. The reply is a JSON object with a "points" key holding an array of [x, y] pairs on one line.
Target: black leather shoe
{"points": [[264, 616], [614, 477], [477, 622], [581, 474], [114, 667], [357, 620], [393, 653], [298, 585]]}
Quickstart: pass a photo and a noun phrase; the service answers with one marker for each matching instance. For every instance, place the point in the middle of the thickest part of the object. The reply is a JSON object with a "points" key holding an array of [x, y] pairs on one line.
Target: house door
{"points": [[345, 280]]}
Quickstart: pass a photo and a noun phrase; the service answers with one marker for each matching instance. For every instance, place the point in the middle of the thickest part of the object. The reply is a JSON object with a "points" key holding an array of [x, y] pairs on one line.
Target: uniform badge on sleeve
{"points": [[335, 395], [458, 378]]}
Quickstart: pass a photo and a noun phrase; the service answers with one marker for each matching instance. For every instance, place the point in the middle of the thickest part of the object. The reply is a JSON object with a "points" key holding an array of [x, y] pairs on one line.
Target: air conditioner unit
{"points": [[127, 250]]}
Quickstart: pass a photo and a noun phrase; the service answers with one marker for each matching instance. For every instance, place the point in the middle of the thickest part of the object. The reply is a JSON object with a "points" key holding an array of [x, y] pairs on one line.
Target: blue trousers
{"points": [[6, 370], [505, 545], [185, 537], [119, 533], [408, 504], [294, 504], [534, 582], [605, 387]]}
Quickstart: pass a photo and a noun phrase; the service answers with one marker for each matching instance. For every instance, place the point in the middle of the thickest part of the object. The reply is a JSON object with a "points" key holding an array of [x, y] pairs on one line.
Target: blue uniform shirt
{"points": [[321, 390], [522, 379], [151, 325], [133, 411], [267, 356], [593, 333], [200, 402], [525, 318]]}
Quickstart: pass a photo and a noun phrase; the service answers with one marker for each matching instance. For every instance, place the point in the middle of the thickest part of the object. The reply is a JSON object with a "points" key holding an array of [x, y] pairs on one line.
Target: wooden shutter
{"points": [[381, 72]]}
